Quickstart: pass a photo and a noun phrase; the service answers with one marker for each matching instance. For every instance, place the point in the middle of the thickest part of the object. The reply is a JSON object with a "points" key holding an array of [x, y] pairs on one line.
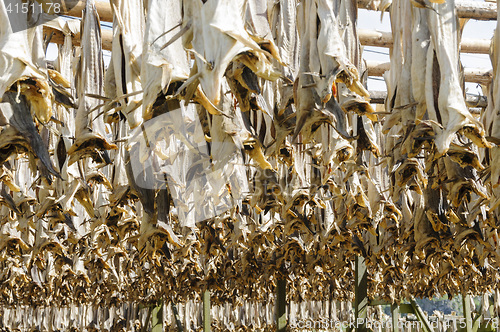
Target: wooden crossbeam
{"points": [[360, 294], [465, 9], [207, 318], [474, 75], [75, 8]]}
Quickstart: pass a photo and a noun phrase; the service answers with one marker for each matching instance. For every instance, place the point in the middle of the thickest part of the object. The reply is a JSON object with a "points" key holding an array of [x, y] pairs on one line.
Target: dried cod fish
{"points": [[15, 110], [219, 37], [162, 66], [90, 139], [21, 53]]}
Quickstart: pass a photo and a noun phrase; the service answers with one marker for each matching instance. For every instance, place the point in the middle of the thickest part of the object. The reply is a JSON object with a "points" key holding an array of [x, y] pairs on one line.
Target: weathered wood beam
{"points": [[395, 317], [478, 75], [377, 68], [281, 320], [427, 327], [157, 318], [474, 75], [466, 300], [366, 38], [472, 100], [58, 37], [384, 39], [478, 10]]}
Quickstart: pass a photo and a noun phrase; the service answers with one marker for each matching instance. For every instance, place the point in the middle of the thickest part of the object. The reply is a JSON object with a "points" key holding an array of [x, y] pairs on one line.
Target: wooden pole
{"points": [[395, 317], [486, 11], [281, 321], [207, 319], [477, 10], [475, 75], [177, 317], [377, 68], [384, 39], [75, 8], [366, 38], [467, 312], [421, 316], [360, 294]]}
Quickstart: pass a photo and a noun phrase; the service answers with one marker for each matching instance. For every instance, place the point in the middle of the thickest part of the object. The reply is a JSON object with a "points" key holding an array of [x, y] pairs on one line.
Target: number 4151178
{"points": [[48, 7]]}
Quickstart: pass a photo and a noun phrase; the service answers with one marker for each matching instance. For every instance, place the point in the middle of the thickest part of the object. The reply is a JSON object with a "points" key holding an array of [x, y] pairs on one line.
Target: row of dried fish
{"points": [[244, 316]]}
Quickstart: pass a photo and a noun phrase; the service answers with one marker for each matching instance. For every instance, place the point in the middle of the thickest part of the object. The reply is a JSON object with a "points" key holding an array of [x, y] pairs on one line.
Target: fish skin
{"points": [[323, 51], [287, 37], [22, 53], [490, 119]]}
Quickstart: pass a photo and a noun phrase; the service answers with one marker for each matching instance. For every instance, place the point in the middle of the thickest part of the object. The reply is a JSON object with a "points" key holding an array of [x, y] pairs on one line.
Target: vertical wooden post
{"points": [[281, 305], [146, 323], [157, 318], [467, 312], [395, 317], [207, 319], [421, 316], [360, 294]]}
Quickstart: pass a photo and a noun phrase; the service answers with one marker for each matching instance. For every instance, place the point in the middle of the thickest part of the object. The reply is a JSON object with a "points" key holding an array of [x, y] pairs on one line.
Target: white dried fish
{"points": [[453, 112], [90, 139], [21, 52], [160, 67], [218, 38]]}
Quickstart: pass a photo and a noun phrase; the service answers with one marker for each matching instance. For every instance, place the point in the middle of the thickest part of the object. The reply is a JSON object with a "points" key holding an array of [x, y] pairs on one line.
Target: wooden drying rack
{"points": [[485, 11], [465, 9]]}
